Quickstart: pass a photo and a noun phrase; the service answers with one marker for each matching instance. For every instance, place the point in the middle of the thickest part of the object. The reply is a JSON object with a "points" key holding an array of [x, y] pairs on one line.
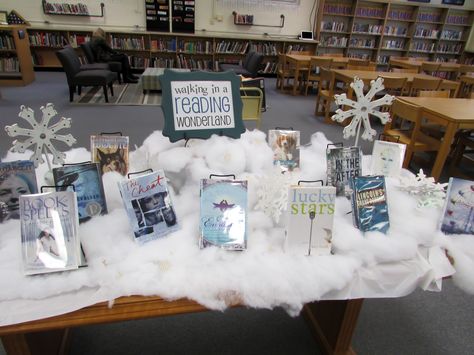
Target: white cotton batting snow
{"points": [[263, 275]]}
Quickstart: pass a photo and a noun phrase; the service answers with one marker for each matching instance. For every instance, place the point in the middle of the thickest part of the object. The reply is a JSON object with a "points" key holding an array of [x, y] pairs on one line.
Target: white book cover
{"points": [[310, 219], [387, 158]]}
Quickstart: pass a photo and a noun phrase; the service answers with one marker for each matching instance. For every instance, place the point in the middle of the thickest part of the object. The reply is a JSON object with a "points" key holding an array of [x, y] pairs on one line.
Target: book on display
{"points": [[343, 164], [111, 152], [458, 212], [286, 148], [387, 158]]}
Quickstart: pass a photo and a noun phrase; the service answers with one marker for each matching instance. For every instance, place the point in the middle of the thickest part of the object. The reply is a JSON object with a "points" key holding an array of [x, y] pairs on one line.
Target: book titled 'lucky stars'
{"points": [[342, 165], [458, 215], [310, 219], [223, 220]]}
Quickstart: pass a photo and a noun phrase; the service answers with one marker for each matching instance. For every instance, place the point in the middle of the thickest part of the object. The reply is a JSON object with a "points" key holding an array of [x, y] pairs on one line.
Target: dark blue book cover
{"points": [[458, 216], [87, 182], [343, 163], [369, 203], [16, 178]]}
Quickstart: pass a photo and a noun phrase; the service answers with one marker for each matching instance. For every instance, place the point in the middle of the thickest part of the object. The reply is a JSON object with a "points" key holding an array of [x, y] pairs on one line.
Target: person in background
{"points": [[104, 53]]}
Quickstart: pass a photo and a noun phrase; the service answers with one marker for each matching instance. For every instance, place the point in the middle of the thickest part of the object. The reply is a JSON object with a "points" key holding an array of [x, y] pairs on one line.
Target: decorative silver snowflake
{"points": [[41, 134], [427, 191], [362, 108], [272, 194]]}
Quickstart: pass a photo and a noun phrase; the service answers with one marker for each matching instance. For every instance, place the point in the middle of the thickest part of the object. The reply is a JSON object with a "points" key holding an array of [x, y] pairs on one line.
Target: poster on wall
{"points": [[157, 14], [183, 16]]}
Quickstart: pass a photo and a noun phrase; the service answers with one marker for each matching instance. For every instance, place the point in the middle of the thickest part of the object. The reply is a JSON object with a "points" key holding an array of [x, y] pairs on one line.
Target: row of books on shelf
{"points": [[63, 8], [193, 63], [195, 47], [370, 12], [232, 47], [269, 68], [429, 17], [6, 41], [359, 55], [296, 48], [394, 44], [334, 41], [48, 39], [333, 26], [75, 40], [451, 34], [9, 65], [395, 31], [264, 48], [383, 59], [451, 48], [457, 20], [426, 32], [127, 42], [337, 9], [243, 19], [359, 42], [399, 15], [367, 28], [163, 45]]}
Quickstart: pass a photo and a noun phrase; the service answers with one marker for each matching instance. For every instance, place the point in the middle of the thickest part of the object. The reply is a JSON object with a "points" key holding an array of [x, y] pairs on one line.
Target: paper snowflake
{"points": [[272, 194], [362, 108], [427, 191], [41, 134]]}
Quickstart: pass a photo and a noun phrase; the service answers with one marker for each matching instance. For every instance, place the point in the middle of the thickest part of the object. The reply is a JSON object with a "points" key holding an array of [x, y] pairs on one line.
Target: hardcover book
{"points": [[458, 214], [16, 178], [111, 152], [343, 164], [49, 232], [223, 220], [286, 148], [369, 203], [87, 183], [387, 158], [148, 204], [310, 219]]}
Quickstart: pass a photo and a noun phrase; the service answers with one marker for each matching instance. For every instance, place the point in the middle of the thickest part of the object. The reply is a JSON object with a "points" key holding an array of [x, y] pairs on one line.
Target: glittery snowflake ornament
{"points": [[425, 189], [41, 134], [362, 109]]}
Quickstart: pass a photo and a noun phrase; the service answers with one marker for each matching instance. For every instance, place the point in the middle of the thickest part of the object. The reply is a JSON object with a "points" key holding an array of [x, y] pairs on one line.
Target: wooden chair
{"points": [[434, 93], [327, 79], [465, 69], [462, 156], [404, 70], [430, 68], [414, 138], [284, 73], [424, 84], [452, 87], [394, 86], [355, 61], [312, 75], [339, 55], [251, 104], [368, 67]]}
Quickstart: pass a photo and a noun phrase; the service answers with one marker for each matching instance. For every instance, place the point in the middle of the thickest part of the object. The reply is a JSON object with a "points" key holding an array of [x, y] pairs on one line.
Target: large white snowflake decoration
{"points": [[41, 134], [272, 193], [428, 192], [362, 108]]}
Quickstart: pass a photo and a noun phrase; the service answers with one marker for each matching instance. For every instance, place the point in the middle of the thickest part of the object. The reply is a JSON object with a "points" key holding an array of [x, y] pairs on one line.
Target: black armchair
{"points": [[116, 67], [250, 65], [78, 78]]}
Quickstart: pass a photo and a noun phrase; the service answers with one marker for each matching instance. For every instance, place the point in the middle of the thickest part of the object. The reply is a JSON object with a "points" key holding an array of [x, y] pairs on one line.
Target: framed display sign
{"points": [[200, 104]]}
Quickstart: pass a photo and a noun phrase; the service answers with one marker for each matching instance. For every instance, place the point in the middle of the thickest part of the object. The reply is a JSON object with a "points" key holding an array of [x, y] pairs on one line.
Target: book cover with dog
{"points": [[310, 216], [49, 232], [369, 204], [87, 182], [458, 212], [343, 164], [387, 158], [16, 178], [149, 208], [111, 152], [223, 220], [286, 148]]}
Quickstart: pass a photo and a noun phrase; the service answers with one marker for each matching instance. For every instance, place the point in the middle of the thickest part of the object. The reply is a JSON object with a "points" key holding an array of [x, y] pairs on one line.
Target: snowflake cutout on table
{"points": [[272, 194], [428, 192], [362, 108], [41, 134]]}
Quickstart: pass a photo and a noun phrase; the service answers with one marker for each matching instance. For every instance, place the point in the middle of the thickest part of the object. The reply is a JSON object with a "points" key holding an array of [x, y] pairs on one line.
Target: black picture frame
{"points": [[3, 18]]}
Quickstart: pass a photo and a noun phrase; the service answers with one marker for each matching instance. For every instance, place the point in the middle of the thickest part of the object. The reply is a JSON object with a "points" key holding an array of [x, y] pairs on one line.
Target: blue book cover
{"points": [[87, 182], [16, 178], [148, 204], [343, 163], [458, 216], [369, 203], [223, 220]]}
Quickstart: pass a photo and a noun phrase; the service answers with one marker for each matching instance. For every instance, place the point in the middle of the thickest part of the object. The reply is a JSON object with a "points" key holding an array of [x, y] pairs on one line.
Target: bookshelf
{"points": [[377, 29], [16, 68], [165, 50]]}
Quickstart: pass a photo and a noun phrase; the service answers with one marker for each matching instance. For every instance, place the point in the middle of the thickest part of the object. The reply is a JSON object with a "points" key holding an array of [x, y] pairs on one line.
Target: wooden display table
{"points": [[332, 322], [416, 64]]}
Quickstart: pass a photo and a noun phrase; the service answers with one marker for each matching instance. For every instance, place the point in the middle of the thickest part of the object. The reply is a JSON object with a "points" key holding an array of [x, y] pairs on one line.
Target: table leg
{"points": [[54, 342], [443, 151], [333, 324], [297, 78]]}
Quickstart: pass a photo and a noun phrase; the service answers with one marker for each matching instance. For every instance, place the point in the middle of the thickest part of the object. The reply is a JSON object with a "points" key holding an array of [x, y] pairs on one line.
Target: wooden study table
{"points": [[416, 64], [302, 61], [454, 114], [332, 323]]}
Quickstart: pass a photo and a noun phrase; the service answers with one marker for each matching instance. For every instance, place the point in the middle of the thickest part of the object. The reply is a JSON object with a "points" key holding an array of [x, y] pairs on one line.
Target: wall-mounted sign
{"points": [[200, 104]]}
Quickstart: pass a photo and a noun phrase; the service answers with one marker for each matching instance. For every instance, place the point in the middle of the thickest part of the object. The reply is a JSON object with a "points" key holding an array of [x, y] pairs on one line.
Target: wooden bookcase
{"points": [[155, 49], [377, 29], [16, 68]]}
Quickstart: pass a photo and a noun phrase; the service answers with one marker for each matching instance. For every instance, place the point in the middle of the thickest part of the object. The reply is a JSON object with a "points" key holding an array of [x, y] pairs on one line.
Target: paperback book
{"points": [[387, 158], [343, 164], [310, 219], [369, 204], [16, 178], [458, 213], [49, 232], [111, 152], [148, 204], [223, 220], [286, 148], [87, 183]]}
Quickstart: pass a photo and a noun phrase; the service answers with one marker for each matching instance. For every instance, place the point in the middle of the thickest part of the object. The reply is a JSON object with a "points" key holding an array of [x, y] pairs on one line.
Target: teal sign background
{"points": [[200, 104]]}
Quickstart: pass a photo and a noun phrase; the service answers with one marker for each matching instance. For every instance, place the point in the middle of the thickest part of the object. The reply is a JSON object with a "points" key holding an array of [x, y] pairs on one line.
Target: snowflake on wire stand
{"points": [[362, 108], [41, 134], [425, 189]]}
